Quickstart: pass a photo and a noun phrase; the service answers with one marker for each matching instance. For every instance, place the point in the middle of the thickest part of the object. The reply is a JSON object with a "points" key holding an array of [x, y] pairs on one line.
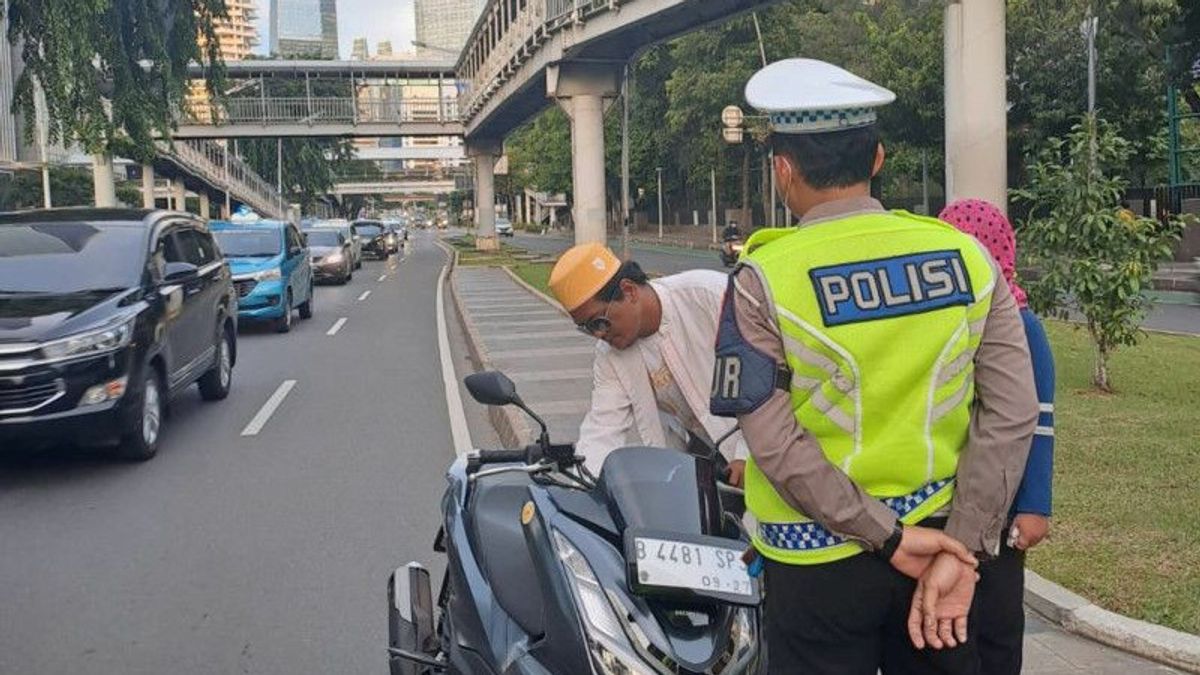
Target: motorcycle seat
{"points": [[499, 541]]}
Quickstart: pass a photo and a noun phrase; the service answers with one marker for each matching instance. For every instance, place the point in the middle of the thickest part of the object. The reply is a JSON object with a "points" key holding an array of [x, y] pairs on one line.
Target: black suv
{"points": [[104, 313]]}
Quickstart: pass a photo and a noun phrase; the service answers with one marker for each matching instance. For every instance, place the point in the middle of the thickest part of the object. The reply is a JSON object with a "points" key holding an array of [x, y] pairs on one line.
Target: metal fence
{"points": [[506, 37], [321, 110], [216, 165]]}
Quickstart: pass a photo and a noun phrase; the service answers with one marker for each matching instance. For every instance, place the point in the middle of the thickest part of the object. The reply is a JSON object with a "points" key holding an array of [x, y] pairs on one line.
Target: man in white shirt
{"points": [[654, 359]]}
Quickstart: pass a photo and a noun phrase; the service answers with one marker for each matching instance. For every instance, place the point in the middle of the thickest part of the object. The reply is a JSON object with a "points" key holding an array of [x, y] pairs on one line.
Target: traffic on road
{"points": [[266, 518]]}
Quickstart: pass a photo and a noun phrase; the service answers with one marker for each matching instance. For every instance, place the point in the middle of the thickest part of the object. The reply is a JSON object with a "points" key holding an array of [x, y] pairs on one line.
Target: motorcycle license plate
{"points": [[692, 565]]}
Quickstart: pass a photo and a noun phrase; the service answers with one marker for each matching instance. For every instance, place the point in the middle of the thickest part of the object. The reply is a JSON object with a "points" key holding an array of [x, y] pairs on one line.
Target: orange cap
{"points": [[581, 272]]}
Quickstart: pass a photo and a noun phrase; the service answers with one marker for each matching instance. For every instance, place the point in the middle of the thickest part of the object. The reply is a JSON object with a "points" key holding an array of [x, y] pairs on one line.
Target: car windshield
{"points": [[368, 230], [249, 243], [70, 257], [322, 238]]}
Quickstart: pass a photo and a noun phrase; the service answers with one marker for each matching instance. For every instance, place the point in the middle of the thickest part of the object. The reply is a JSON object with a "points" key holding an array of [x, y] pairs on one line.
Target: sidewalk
{"points": [[535, 343]]}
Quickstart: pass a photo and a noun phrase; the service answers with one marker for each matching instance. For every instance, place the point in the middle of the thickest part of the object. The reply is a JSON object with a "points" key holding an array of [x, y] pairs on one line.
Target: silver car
{"points": [[342, 225]]}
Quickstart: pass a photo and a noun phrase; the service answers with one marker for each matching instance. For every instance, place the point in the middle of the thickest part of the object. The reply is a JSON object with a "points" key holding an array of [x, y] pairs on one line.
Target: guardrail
{"points": [[319, 110], [507, 32]]}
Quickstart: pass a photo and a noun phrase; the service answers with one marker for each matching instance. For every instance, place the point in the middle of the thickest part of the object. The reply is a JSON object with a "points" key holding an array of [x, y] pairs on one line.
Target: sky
{"points": [[375, 20]]}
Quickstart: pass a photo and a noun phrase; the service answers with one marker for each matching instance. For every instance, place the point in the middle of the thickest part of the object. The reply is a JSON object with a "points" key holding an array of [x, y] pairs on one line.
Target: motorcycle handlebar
{"points": [[503, 456]]}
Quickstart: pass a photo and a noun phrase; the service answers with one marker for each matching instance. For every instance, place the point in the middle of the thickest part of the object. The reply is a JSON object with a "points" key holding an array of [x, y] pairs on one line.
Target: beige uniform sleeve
{"points": [[786, 453], [1003, 419], [609, 421]]}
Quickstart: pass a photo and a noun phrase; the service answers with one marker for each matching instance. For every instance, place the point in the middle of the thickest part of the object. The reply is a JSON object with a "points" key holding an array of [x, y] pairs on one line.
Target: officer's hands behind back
{"points": [[919, 546]]}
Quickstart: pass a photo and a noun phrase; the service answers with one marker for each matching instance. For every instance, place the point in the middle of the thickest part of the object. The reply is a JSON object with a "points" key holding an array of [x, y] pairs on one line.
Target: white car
{"points": [[504, 227]]}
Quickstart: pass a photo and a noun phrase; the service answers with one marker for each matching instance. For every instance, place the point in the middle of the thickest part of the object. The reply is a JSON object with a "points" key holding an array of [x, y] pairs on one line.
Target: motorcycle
{"points": [[550, 569], [731, 250]]}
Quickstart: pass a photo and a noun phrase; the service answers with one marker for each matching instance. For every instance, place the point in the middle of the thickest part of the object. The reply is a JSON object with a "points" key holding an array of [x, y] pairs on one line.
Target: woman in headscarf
{"points": [[1000, 625]]}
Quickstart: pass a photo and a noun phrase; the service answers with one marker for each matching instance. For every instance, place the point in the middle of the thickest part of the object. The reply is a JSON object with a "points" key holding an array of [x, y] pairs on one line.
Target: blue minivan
{"points": [[271, 269]]}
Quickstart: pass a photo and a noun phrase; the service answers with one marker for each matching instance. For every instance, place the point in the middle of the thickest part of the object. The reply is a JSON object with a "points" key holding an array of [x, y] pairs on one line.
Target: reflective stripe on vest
{"points": [[880, 315], [809, 536]]}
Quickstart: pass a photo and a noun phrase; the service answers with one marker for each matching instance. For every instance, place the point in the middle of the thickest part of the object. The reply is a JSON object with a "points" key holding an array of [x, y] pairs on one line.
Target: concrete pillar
{"points": [[204, 205], [485, 153], [147, 186], [976, 102], [584, 90], [179, 193], [103, 183]]}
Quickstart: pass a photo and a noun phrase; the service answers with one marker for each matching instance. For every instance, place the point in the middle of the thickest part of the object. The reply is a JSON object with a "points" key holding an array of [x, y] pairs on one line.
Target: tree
{"points": [[1092, 256], [539, 153], [310, 165], [113, 71], [69, 186]]}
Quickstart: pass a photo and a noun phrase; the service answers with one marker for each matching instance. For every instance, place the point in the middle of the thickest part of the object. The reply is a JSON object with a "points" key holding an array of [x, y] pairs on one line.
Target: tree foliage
{"points": [[113, 72], [69, 186], [1093, 257], [680, 88], [310, 165]]}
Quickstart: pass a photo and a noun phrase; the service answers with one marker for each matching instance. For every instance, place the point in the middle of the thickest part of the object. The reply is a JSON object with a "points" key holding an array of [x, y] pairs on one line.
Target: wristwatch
{"points": [[888, 549]]}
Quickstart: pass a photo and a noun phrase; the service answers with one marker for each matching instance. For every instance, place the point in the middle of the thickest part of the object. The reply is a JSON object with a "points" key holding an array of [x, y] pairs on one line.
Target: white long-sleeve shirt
{"points": [[628, 408]]}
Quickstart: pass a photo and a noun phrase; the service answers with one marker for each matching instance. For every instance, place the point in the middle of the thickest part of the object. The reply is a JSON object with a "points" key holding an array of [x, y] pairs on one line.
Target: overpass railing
{"points": [[213, 163], [319, 110], [506, 34]]}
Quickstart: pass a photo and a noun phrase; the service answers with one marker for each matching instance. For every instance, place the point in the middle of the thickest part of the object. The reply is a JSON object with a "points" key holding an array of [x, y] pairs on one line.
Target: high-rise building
{"points": [[304, 28], [383, 50], [237, 34], [443, 25], [359, 52]]}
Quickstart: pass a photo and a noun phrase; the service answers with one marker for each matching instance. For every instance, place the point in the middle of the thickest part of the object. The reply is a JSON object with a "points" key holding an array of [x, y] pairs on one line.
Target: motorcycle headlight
{"points": [[267, 275], [737, 248], [609, 645], [97, 341]]}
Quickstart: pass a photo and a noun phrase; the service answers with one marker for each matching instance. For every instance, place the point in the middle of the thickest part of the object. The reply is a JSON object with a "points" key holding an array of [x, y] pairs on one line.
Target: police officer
{"points": [[882, 381]]}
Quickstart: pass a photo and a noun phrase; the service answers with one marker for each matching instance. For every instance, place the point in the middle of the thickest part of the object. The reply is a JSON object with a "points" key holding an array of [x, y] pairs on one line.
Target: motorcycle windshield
{"points": [[661, 490]]}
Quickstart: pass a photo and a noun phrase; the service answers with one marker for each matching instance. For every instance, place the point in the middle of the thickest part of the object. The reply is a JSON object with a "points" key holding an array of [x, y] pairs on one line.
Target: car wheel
{"points": [[358, 264], [284, 323], [306, 309], [139, 442], [214, 385]]}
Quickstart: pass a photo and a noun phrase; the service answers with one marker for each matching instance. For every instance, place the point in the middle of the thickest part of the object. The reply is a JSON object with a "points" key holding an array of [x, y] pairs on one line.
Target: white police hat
{"points": [[806, 96]]}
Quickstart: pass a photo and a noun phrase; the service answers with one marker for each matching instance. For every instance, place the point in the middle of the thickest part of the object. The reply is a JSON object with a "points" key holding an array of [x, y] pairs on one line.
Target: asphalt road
{"points": [[1176, 318], [245, 554]]}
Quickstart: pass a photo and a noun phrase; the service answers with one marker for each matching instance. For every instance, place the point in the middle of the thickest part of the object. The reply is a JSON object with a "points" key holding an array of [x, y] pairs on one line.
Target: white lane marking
{"points": [[382, 277], [460, 434], [264, 414], [364, 296], [337, 325]]}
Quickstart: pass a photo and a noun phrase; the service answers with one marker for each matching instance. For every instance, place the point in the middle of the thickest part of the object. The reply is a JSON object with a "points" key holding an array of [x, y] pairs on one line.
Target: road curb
{"points": [[1078, 615], [514, 432], [527, 286]]}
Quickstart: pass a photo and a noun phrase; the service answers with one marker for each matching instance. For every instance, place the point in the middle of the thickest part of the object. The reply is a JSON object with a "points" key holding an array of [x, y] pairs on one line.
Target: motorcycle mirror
{"points": [[492, 387]]}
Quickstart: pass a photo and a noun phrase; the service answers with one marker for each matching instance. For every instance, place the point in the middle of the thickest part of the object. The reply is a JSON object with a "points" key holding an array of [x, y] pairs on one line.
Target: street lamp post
{"points": [[658, 170]]}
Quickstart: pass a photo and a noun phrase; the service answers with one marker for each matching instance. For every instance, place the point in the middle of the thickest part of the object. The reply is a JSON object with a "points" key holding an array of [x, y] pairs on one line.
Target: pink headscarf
{"points": [[989, 225]]}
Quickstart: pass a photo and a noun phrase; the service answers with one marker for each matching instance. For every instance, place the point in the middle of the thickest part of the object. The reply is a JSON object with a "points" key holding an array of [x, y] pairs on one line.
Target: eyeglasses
{"points": [[597, 324]]}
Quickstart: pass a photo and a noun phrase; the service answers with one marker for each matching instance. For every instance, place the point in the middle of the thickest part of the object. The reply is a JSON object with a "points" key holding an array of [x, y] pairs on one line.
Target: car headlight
{"points": [[334, 258], [96, 341], [267, 275], [609, 645]]}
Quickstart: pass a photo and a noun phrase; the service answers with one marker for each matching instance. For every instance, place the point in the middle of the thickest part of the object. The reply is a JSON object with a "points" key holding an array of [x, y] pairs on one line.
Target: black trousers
{"points": [[849, 618], [998, 627]]}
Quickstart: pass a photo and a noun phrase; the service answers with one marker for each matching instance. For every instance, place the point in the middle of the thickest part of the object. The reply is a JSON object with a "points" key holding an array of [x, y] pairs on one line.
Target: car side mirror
{"points": [[294, 251], [179, 272], [492, 387]]}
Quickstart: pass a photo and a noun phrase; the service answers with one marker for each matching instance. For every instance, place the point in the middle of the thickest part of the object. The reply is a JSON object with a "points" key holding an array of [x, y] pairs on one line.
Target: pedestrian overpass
{"points": [[524, 55], [359, 99]]}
